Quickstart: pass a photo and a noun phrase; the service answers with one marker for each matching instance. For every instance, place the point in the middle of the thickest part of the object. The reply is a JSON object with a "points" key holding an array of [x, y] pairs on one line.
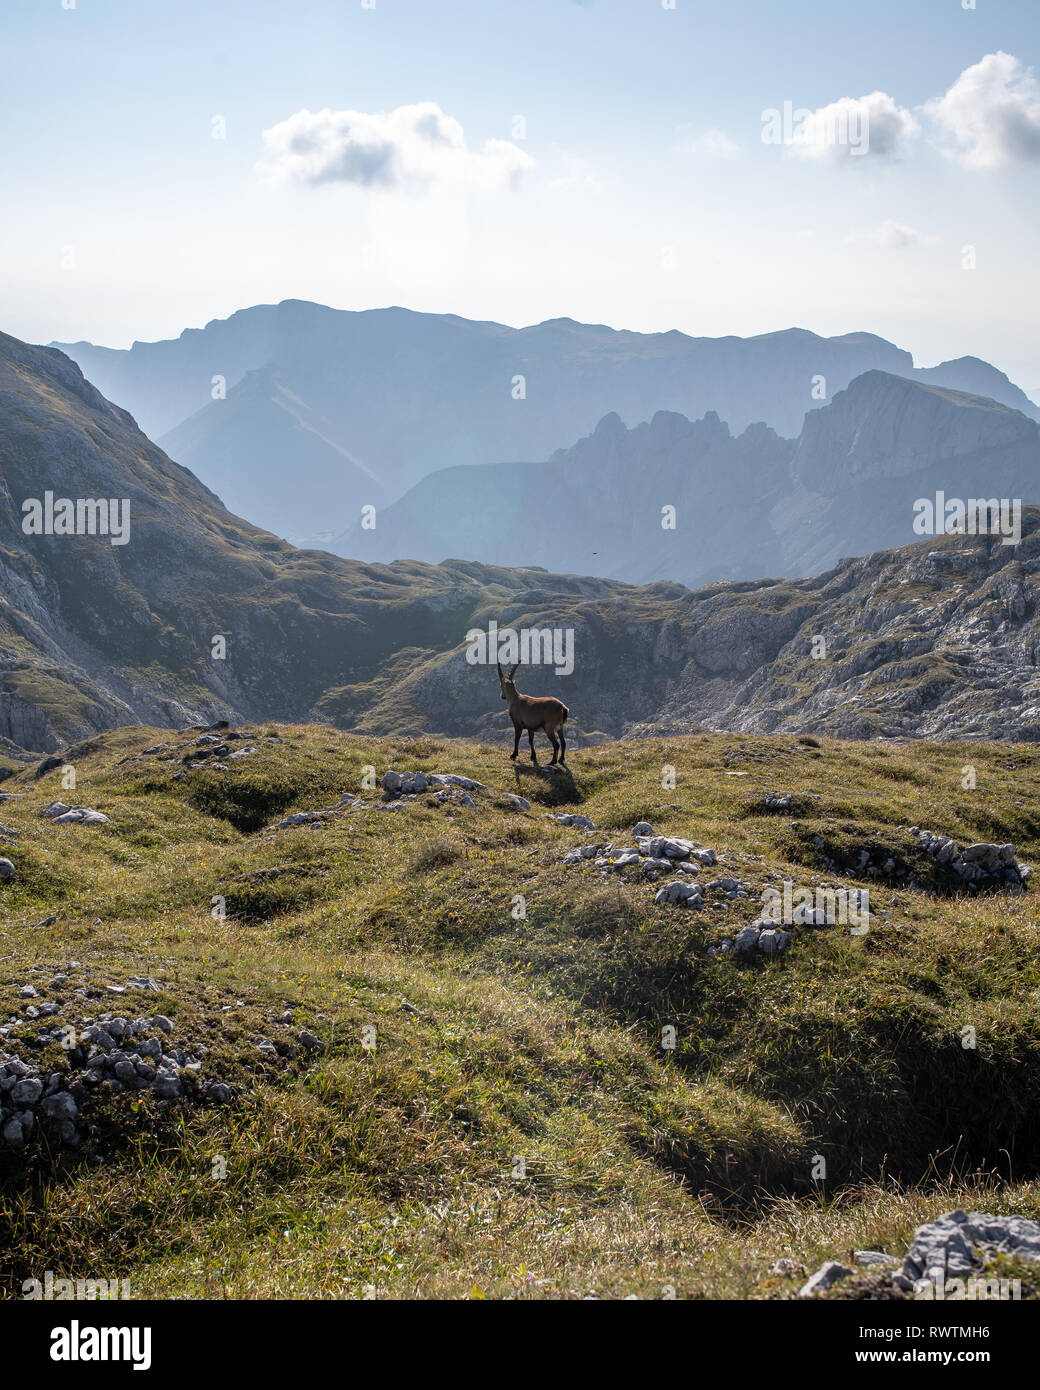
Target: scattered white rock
{"points": [[453, 779], [773, 941], [681, 894], [827, 1275], [60, 814], [746, 940], [143, 982]]}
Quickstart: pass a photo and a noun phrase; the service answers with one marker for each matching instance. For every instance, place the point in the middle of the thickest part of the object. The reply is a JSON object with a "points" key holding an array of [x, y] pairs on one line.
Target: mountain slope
{"points": [[937, 639], [93, 634], [398, 395]]}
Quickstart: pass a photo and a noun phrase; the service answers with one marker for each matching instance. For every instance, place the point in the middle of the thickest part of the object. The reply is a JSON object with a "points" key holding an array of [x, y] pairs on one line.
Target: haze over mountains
{"points": [[745, 506], [328, 411], [936, 639]]}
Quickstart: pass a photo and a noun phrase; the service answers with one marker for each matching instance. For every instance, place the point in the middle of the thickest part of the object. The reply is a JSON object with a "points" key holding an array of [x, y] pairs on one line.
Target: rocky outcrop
{"points": [[980, 865], [882, 428], [958, 1243]]}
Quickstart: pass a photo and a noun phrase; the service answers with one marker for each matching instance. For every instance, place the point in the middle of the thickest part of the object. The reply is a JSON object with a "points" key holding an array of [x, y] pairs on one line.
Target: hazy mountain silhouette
{"points": [[744, 506], [329, 410]]}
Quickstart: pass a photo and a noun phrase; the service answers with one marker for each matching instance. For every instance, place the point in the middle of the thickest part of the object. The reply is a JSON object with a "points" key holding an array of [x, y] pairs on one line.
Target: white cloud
{"points": [[412, 148], [853, 129], [895, 236], [991, 115], [575, 174], [710, 145]]}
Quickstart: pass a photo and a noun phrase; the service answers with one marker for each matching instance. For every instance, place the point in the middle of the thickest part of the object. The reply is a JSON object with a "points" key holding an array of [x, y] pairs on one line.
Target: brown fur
{"points": [[533, 712]]}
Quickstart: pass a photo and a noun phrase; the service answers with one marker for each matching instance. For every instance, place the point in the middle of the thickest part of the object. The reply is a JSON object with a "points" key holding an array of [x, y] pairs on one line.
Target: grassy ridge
{"points": [[536, 1038]]}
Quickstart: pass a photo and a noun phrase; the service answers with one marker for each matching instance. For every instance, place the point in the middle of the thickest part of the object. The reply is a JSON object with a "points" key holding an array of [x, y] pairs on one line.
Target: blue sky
{"points": [[637, 191]]}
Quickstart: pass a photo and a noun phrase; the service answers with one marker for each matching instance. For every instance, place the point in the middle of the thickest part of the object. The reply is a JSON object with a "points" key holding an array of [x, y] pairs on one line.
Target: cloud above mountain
{"points": [[855, 128], [990, 117], [412, 148]]}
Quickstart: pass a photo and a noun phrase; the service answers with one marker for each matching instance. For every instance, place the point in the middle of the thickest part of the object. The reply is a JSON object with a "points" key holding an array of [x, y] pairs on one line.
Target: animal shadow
{"points": [[550, 786]]}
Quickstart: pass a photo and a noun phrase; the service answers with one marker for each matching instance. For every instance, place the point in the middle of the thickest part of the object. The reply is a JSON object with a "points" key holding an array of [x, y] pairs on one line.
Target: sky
{"points": [[624, 162]]}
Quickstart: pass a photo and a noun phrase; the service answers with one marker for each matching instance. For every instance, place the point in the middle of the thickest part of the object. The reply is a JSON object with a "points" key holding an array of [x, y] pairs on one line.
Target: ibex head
{"points": [[507, 683]]}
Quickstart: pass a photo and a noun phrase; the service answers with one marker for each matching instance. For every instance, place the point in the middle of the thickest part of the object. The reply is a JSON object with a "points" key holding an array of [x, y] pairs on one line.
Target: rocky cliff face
{"points": [[671, 499], [883, 427], [938, 638], [883, 443]]}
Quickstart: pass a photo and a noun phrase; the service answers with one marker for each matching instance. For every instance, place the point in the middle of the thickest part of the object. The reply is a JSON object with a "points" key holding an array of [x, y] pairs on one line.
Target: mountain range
{"points": [[690, 502], [299, 415], [937, 639]]}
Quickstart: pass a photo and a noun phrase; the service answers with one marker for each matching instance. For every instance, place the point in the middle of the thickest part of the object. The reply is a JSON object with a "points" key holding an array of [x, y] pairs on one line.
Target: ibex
{"points": [[533, 712]]}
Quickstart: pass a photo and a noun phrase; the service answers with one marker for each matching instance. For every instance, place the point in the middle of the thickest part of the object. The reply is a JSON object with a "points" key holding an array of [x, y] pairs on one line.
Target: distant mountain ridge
{"points": [[360, 406], [744, 506], [938, 639]]}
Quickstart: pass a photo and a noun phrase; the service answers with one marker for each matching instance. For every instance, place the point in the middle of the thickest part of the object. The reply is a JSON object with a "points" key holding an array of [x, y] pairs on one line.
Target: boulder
{"points": [[746, 940], [680, 894], [772, 941], [827, 1275], [953, 1245], [453, 779]]}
